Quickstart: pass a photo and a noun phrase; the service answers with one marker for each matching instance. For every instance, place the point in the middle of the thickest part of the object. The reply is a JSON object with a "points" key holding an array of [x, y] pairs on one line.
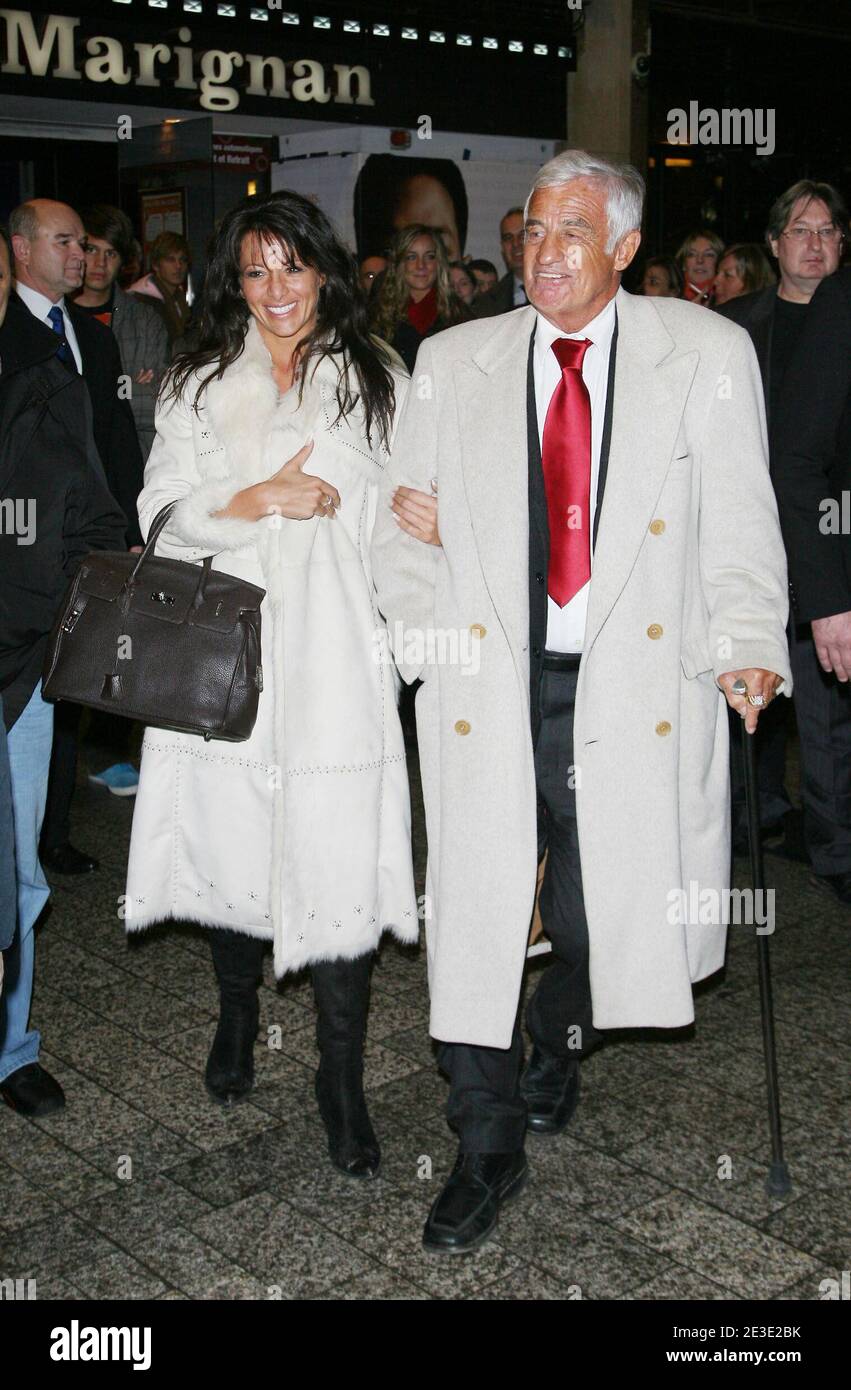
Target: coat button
{"points": [[478, 630], [461, 726], [657, 527], [539, 577], [536, 652], [662, 728], [654, 632]]}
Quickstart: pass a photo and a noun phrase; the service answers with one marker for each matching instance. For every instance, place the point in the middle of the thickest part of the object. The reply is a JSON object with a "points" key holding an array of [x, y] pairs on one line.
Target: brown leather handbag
{"points": [[172, 644]]}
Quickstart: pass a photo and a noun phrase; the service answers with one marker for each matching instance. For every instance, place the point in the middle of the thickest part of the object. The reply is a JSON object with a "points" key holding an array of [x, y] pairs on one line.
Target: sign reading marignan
{"points": [[55, 50]]}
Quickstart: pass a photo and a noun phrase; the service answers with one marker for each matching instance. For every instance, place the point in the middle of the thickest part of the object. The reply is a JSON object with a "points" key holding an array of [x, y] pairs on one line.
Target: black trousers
{"points": [[770, 750], [56, 827], [109, 730], [485, 1107], [823, 712]]}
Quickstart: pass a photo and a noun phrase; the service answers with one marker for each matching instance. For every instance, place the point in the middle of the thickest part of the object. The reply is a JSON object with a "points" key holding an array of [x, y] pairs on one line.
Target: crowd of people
{"points": [[569, 430]]}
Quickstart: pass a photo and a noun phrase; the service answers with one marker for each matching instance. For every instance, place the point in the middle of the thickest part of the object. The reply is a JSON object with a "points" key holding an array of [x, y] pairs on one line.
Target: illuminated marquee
{"points": [[53, 53]]}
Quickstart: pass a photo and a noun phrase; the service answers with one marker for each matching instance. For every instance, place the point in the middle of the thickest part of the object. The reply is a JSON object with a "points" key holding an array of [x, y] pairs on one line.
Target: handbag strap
{"points": [[159, 523]]}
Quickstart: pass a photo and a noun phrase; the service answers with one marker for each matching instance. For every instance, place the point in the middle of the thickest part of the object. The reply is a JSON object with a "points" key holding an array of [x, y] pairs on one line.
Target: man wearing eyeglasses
{"points": [[807, 231]]}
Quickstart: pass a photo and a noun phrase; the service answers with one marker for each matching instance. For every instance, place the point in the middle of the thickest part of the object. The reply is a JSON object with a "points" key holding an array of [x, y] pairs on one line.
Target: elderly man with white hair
{"points": [[607, 541]]}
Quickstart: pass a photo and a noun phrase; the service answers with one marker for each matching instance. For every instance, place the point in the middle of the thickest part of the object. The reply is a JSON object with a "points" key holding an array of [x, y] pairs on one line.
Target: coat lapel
{"points": [[651, 386], [492, 407]]}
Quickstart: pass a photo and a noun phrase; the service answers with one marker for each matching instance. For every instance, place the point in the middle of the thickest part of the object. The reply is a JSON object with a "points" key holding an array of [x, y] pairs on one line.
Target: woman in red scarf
{"points": [[415, 298], [698, 259]]}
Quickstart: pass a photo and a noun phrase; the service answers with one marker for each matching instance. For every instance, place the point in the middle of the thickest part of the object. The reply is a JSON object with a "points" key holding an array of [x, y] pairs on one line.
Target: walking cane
{"points": [[778, 1183]]}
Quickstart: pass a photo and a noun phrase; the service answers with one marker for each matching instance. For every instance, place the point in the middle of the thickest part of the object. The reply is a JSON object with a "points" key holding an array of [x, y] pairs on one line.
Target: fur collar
{"points": [[259, 429]]}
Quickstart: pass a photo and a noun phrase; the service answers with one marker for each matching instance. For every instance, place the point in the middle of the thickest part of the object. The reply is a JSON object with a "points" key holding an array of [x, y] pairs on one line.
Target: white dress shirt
{"points": [[566, 626], [520, 296], [39, 305]]}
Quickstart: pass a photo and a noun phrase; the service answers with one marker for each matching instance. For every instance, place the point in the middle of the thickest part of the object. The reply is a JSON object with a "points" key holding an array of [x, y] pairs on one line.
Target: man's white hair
{"points": [[624, 188]]}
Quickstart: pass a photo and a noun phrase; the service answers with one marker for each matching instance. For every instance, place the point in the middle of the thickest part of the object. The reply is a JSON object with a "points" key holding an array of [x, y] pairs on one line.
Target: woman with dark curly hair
{"points": [[415, 298], [271, 439]]}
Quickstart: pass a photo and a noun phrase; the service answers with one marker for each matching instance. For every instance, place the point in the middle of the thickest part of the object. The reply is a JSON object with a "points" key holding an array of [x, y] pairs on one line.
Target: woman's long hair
{"points": [[389, 303], [342, 325]]}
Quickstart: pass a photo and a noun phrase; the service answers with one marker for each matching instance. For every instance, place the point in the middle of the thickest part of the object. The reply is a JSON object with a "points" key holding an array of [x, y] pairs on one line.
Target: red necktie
{"points": [[566, 459]]}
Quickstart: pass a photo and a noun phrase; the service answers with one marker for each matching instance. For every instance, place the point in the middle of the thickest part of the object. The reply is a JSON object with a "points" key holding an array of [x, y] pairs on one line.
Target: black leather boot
{"points": [[341, 988], [238, 962]]}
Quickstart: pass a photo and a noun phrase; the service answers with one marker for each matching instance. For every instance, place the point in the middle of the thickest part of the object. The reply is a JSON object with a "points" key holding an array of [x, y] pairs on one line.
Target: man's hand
{"points": [[832, 637], [416, 513], [758, 682]]}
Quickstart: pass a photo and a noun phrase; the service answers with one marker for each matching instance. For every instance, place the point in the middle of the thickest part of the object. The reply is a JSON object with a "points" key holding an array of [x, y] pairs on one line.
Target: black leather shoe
{"points": [[467, 1210], [550, 1088], [65, 859], [838, 885], [32, 1091]]}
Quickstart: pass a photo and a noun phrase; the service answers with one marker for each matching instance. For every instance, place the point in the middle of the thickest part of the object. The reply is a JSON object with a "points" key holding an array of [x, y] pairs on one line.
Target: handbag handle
{"points": [[149, 549], [158, 525], [150, 546]]}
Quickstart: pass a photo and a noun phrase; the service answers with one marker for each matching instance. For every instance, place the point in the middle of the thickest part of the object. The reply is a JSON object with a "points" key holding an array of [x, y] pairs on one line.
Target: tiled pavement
{"points": [[144, 1189]]}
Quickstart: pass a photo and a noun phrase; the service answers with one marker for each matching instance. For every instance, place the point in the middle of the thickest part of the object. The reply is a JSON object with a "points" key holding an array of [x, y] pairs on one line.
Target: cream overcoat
{"points": [[688, 449]]}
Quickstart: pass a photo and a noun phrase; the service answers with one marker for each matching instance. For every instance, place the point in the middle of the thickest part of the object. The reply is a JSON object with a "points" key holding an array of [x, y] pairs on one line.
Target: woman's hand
{"points": [[289, 492], [416, 513]]}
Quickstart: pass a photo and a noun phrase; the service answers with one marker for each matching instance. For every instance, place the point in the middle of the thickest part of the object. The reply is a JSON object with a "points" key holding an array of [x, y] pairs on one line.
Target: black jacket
{"points": [[114, 427], [499, 300], [755, 312], [811, 453], [53, 497], [407, 339]]}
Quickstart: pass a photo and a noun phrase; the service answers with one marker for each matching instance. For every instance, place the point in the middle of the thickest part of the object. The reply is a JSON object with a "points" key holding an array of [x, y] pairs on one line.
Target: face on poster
{"points": [[394, 191]]}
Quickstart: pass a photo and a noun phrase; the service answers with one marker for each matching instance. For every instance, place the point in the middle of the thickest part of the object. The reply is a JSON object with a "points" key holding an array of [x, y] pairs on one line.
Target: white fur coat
{"points": [[302, 833]]}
